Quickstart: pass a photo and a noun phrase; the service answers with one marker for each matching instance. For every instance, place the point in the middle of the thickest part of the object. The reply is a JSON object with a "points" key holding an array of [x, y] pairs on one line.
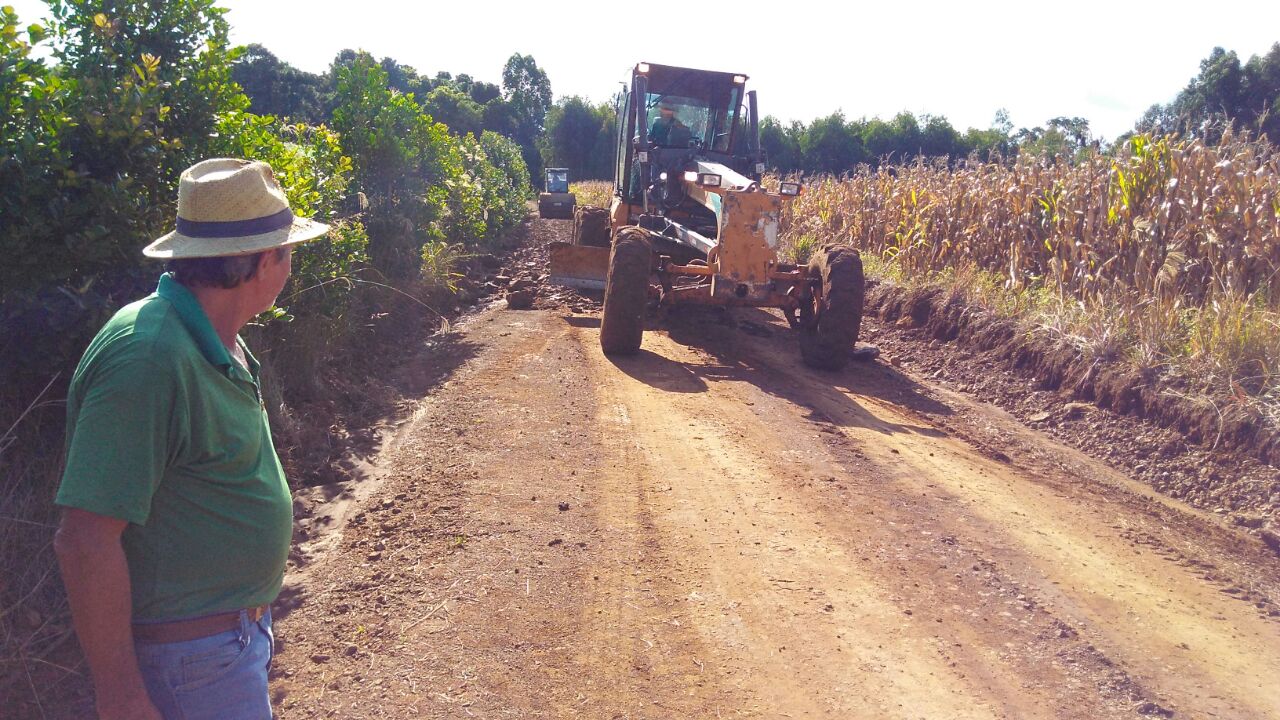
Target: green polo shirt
{"points": [[166, 431]]}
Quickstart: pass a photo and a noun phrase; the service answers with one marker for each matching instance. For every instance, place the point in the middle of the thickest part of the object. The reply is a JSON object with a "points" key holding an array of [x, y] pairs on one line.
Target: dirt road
{"points": [[711, 530]]}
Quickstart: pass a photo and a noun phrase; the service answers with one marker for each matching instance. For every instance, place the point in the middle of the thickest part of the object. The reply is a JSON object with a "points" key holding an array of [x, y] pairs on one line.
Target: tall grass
{"points": [[1165, 252], [32, 604], [597, 193]]}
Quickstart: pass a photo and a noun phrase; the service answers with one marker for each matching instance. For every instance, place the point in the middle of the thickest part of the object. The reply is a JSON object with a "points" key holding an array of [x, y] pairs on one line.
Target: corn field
{"points": [[598, 193], [1166, 250]]}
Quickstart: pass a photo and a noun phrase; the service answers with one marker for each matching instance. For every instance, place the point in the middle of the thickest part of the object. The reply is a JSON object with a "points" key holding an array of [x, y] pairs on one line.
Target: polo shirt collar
{"points": [[197, 323]]}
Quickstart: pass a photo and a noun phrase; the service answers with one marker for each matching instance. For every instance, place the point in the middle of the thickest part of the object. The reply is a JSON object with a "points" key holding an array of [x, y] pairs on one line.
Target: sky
{"points": [[1104, 61]]}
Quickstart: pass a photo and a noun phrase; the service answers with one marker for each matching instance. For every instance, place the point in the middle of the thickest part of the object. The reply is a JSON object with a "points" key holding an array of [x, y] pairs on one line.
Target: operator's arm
{"points": [[97, 581], [658, 132]]}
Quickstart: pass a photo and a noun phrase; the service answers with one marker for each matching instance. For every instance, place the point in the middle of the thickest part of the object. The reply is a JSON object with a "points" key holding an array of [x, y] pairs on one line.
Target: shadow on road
{"points": [[370, 392], [582, 321], [657, 371], [755, 347]]}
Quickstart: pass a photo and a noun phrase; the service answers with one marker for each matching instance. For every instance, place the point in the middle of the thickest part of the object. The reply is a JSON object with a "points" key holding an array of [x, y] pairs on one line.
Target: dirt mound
{"points": [[591, 226], [1211, 452]]}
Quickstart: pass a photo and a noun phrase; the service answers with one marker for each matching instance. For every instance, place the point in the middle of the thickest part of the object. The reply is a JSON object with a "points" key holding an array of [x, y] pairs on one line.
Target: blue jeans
{"points": [[222, 676]]}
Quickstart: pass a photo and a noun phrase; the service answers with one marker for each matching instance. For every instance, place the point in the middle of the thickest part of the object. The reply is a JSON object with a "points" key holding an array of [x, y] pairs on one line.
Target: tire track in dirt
{"points": [[483, 585], [788, 594], [1181, 634]]}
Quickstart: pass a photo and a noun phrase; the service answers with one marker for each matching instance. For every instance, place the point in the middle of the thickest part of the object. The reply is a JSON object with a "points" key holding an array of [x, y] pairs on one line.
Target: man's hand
{"points": [[97, 579]]}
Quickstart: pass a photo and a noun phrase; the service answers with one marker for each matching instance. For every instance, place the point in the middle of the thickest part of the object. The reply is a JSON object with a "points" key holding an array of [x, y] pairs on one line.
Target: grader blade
{"points": [[579, 266]]}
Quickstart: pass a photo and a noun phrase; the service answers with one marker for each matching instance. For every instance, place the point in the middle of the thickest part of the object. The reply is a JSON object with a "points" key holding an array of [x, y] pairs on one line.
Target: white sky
{"points": [[1105, 61]]}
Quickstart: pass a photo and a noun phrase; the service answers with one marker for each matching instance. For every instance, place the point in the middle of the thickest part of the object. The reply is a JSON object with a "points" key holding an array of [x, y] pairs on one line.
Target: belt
{"points": [[195, 628]]}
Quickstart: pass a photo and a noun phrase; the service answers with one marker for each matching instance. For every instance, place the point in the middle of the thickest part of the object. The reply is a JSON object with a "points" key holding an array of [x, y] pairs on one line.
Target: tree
{"points": [[1001, 123], [483, 92], [1157, 119], [572, 139], [498, 116], [526, 87], [830, 145], [400, 159], [527, 91], [781, 144], [132, 103], [986, 143], [1075, 129], [906, 136], [1224, 93], [939, 138], [1045, 143], [449, 105], [402, 77], [1262, 92], [504, 155], [880, 141], [277, 88], [344, 59]]}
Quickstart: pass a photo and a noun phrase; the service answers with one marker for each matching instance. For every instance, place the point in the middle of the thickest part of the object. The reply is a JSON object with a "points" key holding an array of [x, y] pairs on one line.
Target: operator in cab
{"points": [[667, 128]]}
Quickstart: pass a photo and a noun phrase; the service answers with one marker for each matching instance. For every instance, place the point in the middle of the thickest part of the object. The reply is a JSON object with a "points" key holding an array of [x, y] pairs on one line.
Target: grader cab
{"points": [[690, 222]]}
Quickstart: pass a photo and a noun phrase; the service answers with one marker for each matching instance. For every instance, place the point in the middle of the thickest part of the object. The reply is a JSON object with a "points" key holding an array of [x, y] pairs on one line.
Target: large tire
{"points": [[626, 292], [828, 345], [591, 226]]}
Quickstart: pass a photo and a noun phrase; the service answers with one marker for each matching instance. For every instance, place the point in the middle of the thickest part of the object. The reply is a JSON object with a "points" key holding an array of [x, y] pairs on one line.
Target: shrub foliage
{"points": [[94, 134]]}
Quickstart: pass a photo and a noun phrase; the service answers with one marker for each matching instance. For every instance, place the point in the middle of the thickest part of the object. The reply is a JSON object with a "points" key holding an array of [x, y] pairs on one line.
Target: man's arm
{"points": [[97, 580]]}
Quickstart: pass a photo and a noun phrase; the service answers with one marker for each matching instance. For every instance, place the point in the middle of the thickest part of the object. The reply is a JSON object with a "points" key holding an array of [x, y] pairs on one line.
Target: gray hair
{"points": [[219, 272]]}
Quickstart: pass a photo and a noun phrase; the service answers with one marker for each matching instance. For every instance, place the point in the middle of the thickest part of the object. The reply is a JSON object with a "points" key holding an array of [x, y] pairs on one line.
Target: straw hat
{"points": [[231, 207]]}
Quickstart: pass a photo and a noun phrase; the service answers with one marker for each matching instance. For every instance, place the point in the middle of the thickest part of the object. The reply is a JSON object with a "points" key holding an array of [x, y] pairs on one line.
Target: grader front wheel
{"points": [[827, 340], [626, 292]]}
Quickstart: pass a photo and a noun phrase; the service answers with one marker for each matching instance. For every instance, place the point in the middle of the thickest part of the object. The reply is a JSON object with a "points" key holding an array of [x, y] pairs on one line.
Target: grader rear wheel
{"points": [[828, 341], [626, 292]]}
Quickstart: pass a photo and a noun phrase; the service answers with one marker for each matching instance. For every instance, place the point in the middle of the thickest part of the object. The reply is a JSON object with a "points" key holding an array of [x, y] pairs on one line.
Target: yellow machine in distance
{"points": [[555, 201]]}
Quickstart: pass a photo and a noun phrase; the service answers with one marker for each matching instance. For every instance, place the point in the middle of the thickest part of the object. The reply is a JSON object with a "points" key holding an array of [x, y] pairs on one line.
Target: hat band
{"points": [[235, 228]]}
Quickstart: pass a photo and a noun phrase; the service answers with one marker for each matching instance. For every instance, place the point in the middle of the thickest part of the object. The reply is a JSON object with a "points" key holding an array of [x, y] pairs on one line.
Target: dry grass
{"points": [[597, 193], [33, 611], [1165, 253]]}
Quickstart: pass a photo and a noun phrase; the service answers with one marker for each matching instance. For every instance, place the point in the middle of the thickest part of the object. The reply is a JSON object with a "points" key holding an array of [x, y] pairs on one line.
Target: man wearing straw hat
{"points": [[177, 515]]}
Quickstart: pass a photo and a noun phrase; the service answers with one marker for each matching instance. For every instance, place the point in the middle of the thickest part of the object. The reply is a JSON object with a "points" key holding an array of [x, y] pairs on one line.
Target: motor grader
{"points": [[691, 224]]}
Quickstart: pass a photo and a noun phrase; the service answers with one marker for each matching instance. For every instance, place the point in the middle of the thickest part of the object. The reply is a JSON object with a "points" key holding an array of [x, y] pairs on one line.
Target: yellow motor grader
{"points": [[690, 222]]}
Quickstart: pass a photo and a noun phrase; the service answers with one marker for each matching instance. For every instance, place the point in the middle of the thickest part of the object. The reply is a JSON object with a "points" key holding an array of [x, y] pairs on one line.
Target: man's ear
{"points": [[265, 259], [273, 256]]}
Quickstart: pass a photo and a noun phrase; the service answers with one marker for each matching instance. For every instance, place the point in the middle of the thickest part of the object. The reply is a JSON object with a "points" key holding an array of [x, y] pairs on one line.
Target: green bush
{"points": [[316, 175], [504, 154], [401, 159], [425, 186], [92, 143], [101, 138]]}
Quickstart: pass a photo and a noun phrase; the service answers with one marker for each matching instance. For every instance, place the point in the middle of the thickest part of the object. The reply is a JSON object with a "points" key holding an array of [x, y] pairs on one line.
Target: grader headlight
{"points": [[790, 189], [703, 179]]}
